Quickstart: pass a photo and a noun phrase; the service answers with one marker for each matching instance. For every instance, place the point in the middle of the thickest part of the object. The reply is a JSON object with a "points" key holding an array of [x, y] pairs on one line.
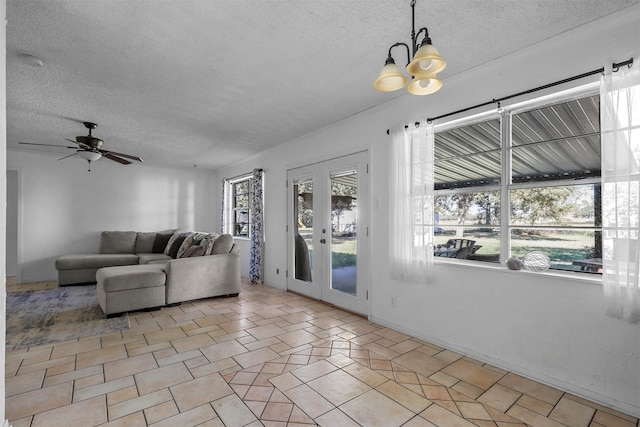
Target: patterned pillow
{"points": [[192, 251], [175, 245], [172, 239], [207, 243], [199, 235], [188, 241]]}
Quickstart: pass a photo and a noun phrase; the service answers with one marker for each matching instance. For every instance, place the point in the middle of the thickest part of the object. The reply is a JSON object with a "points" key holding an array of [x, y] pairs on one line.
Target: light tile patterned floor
{"points": [[274, 358]]}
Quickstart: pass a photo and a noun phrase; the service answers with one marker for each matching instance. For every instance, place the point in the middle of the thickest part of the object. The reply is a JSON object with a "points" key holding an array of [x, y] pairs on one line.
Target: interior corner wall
{"points": [[542, 326], [63, 207]]}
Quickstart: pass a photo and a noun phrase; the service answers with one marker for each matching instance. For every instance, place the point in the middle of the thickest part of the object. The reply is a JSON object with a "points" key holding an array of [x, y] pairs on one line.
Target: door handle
{"points": [[323, 241]]}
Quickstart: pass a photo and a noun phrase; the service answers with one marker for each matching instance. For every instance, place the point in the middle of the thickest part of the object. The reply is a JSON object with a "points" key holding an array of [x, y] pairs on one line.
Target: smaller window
{"points": [[239, 213]]}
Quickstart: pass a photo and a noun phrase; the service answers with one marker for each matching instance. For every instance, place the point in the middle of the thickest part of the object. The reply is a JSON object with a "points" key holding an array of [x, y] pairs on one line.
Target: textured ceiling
{"points": [[211, 82]]}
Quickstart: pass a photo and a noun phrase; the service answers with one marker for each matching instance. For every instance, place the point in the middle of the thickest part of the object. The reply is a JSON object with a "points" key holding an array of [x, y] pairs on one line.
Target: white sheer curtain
{"points": [[620, 127], [411, 203]]}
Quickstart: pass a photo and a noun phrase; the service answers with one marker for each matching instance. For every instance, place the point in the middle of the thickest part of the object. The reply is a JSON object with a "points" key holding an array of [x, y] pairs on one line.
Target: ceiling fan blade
{"points": [[110, 156], [65, 157], [128, 156], [46, 145]]}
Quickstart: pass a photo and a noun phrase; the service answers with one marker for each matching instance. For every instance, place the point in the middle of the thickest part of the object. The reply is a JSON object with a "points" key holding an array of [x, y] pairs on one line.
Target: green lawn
{"points": [[558, 246], [344, 251]]}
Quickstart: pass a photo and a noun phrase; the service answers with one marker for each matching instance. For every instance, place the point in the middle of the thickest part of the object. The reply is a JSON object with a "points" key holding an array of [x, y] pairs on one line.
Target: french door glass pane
{"points": [[344, 229], [303, 214]]}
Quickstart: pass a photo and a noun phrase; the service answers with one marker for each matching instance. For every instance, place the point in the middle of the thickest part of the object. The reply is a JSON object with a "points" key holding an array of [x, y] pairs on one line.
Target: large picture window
{"points": [[520, 181]]}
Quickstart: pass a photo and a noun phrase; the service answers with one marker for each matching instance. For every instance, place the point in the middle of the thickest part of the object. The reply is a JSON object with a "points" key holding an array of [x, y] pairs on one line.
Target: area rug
{"points": [[54, 315]]}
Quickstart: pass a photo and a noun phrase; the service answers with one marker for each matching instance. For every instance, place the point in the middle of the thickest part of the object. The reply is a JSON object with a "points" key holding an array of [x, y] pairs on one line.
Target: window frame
{"points": [[232, 209], [505, 115]]}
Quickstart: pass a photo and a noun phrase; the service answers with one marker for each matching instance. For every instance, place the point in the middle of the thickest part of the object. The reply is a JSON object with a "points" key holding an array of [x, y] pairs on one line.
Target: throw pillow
{"points": [[175, 244], [160, 242], [199, 235], [193, 251], [207, 243], [222, 245], [173, 237], [188, 241]]}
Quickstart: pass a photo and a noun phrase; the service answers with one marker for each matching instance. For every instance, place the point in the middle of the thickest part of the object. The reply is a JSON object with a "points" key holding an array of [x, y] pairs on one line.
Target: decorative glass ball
{"points": [[514, 263], [536, 261]]}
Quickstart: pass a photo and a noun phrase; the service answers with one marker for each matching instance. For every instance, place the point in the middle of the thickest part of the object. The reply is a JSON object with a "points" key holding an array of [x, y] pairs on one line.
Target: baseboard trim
{"points": [[624, 407]]}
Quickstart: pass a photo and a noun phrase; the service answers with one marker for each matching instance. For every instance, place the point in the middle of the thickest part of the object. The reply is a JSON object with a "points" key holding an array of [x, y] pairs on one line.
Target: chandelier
{"points": [[423, 63]]}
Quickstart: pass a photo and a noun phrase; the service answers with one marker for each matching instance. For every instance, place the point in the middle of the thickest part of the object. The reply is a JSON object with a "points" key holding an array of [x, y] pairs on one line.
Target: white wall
{"points": [[3, 169], [548, 327], [64, 208]]}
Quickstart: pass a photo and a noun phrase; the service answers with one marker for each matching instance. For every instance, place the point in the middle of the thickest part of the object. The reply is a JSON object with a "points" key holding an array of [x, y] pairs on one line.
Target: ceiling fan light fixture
{"points": [[390, 78], [424, 85], [426, 61], [90, 156]]}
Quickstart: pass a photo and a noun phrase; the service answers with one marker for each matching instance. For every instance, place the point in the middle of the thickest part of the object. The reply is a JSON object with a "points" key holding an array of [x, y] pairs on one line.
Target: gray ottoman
{"points": [[131, 287]]}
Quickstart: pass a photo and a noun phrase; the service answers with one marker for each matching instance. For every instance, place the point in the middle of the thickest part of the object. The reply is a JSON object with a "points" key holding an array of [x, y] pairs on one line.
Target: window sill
{"points": [[593, 279]]}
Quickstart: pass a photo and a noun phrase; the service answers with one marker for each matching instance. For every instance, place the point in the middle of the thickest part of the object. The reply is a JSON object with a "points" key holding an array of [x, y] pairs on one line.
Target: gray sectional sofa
{"points": [[137, 270]]}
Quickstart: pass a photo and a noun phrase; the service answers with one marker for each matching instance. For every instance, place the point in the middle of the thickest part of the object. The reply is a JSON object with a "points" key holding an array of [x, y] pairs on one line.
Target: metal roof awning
{"points": [[560, 141]]}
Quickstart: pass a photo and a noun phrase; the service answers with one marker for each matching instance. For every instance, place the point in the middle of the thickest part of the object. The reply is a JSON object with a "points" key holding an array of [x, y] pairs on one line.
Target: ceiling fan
{"points": [[90, 148]]}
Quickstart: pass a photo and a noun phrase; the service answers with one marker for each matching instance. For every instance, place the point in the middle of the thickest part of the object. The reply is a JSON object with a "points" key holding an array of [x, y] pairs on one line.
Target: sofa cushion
{"points": [[147, 258], [115, 279], [192, 251], [222, 245], [145, 241], [82, 261], [118, 242]]}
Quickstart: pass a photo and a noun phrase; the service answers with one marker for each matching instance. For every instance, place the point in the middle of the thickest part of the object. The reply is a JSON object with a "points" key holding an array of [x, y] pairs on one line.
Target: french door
{"points": [[327, 228]]}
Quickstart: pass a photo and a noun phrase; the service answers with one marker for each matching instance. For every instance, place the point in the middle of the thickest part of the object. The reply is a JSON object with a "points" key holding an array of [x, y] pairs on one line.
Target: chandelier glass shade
{"points": [[426, 61], [390, 78], [423, 63], [424, 85]]}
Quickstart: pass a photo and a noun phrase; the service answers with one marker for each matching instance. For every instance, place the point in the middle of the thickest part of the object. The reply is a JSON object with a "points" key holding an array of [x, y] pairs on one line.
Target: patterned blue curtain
{"points": [[257, 234]]}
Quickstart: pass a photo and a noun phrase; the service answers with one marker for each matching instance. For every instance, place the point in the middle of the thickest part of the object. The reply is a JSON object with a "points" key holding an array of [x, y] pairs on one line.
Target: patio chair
{"points": [[459, 243], [464, 252]]}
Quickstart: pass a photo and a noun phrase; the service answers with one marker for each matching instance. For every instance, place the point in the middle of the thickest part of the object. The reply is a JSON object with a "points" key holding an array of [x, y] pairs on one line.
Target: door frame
{"points": [[321, 290]]}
